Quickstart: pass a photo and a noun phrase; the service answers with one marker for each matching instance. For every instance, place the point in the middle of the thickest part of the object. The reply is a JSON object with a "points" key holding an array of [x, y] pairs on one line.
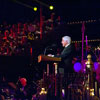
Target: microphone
{"points": [[53, 45], [49, 48]]}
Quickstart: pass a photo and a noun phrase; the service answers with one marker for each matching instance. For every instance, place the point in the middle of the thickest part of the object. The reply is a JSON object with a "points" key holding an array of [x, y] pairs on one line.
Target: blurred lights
{"points": [[80, 22], [51, 7], [77, 66], [88, 66], [87, 88], [43, 91], [85, 41], [96, 64], [63, 92], [35, 8], [91, 92]]}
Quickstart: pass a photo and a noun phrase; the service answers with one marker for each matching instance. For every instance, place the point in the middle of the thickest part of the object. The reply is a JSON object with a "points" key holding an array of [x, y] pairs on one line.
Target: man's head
{"points": [[66, 40], [23, 81]]}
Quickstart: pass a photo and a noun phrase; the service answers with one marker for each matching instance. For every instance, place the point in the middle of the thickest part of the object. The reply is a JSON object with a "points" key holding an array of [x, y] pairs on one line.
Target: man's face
{"points": [[64, 43]]}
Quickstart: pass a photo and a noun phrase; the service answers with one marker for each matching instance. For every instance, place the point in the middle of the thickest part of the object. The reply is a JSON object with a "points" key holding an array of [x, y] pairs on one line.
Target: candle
{"points": [[95, 88], [99, 92]]}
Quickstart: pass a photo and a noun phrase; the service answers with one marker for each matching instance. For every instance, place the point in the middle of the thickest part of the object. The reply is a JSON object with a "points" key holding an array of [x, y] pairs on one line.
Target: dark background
{"points": [[69, 11], [14, 11]]}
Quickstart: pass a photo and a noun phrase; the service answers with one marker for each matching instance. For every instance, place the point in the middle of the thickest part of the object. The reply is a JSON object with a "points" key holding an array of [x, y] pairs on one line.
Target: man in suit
{"points": [[66, 62], [67, 54]]}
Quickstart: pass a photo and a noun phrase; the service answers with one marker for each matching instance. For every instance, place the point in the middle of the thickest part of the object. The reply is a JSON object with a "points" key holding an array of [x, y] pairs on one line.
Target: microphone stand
{"points": [[47, 48]]}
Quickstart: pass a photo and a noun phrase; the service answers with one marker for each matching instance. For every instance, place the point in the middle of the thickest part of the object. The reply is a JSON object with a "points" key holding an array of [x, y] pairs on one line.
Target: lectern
{"points": [[48, 59], [55, 60]]}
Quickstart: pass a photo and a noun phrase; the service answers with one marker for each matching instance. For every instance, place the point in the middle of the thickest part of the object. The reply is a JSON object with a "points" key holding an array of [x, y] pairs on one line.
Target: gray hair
{"points": [[67, 38]]}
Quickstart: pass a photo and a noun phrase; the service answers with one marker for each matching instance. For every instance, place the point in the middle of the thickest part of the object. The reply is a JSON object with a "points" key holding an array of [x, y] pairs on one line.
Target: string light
{"points": [[80, 22], [96, 40]]}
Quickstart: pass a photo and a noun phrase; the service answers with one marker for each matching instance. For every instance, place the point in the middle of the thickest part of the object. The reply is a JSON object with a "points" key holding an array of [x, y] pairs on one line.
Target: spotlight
{"points": [[51, 7], [35, 8]]}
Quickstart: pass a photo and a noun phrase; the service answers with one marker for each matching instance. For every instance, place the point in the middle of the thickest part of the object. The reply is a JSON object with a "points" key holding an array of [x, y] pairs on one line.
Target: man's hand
{"points": [[50, 55]]}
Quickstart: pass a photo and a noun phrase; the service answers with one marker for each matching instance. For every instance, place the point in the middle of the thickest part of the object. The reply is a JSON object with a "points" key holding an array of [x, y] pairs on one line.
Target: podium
{"points": [[55, 61], [48, 58]]}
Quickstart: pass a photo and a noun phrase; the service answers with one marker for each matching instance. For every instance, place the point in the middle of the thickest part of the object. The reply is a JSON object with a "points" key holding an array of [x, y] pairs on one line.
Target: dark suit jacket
{"points": [[66, 57]]}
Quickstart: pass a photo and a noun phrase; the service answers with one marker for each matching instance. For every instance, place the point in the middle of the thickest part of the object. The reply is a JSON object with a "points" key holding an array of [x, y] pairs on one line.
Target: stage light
{"points": [[35, 8], [77, 66], [96, 65], [51, 7]]}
